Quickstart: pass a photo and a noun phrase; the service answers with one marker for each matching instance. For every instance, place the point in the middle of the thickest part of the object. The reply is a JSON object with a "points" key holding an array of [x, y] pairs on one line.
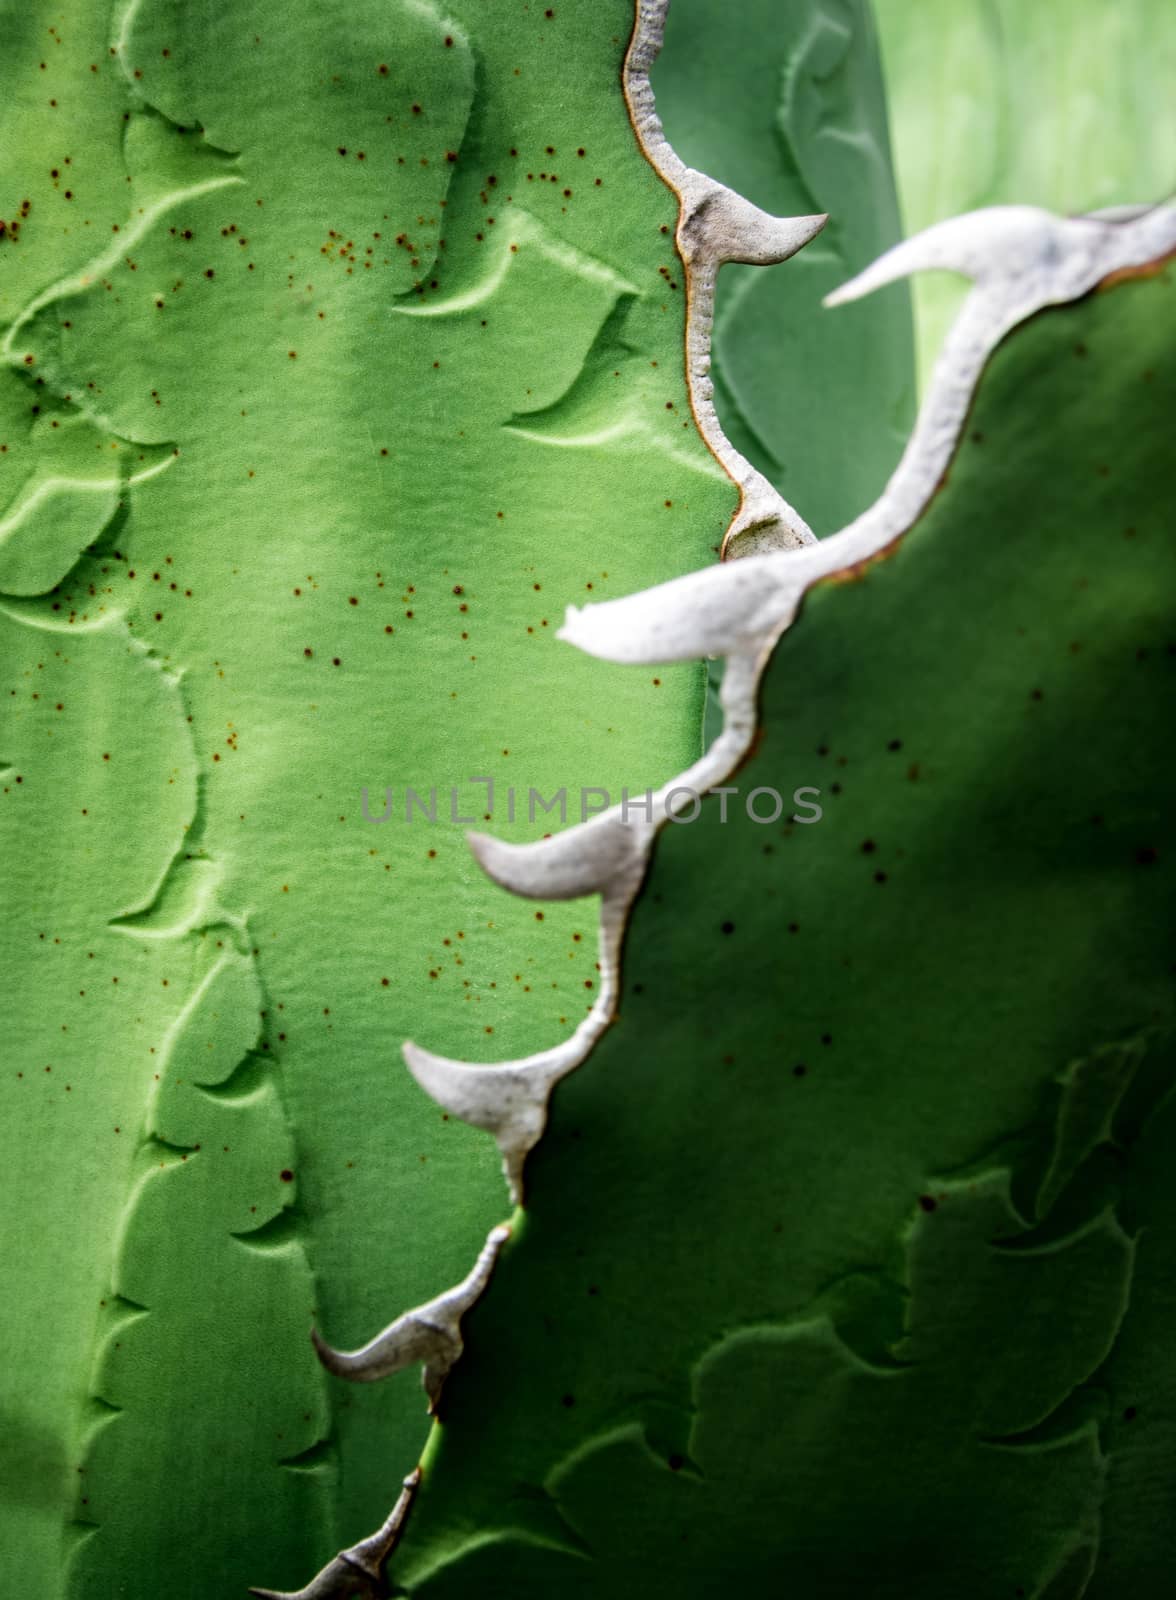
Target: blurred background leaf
{"points": [[1066, 104]]}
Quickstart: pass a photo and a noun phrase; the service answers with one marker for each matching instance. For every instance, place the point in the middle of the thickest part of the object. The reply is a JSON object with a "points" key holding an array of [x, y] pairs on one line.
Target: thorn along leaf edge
{"points": [[430, 1333], [357, 1573]]}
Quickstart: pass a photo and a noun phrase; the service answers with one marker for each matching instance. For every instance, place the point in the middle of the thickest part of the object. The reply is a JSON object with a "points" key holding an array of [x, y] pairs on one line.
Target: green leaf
{"points": [[384, 292]]}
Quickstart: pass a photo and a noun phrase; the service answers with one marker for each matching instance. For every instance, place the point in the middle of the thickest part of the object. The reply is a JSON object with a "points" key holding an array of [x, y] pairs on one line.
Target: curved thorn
{"points": [[508, 1099], [363, 1562], [718, 611], [719, 225], [1038, 258], [578, 861], [430, 1333], [981, 245]]}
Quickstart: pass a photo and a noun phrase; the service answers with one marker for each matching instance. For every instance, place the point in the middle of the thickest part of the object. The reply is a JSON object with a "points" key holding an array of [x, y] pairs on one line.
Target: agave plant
{"points": [[343, 354]]}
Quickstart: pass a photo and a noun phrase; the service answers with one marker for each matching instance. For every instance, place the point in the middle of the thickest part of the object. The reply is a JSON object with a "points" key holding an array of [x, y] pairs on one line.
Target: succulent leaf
{"points": [[336, 350]]}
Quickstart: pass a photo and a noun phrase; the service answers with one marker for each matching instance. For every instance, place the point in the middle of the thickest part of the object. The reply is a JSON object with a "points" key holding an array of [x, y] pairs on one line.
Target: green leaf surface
{"points": [[840, 1269], [372, 306]]}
